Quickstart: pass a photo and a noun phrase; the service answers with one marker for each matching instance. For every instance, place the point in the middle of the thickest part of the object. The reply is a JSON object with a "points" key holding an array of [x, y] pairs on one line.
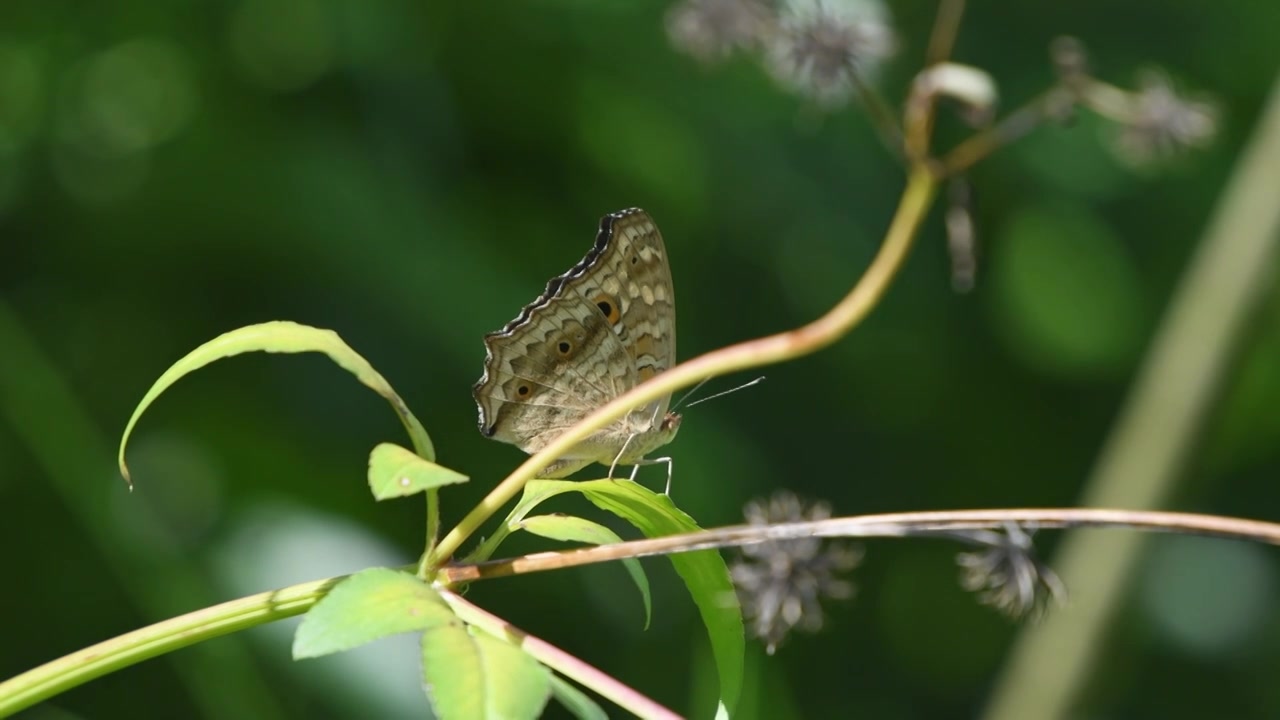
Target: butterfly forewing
{"points": [[598, 330]]}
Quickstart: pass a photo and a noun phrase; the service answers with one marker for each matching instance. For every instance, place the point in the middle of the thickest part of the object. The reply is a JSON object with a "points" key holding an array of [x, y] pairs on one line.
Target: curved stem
{"points": [[914, 205], [94, 661]]}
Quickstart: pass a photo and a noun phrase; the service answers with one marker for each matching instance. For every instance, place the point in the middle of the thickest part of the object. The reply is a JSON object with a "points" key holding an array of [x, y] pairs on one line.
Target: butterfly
{"points": [[601, 328]]}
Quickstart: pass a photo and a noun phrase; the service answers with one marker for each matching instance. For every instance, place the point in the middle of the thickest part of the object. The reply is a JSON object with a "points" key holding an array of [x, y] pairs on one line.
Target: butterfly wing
{"points": [[631, 287], [594, 333]]}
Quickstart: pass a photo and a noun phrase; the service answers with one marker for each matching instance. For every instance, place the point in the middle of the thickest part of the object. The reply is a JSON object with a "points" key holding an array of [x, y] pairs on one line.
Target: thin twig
{"points": [[864, 526], [946, 26], [883, 119], [1052, 103]]}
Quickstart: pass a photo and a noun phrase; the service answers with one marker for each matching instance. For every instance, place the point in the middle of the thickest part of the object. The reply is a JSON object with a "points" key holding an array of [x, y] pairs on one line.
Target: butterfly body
{"points": [[598, 330]]}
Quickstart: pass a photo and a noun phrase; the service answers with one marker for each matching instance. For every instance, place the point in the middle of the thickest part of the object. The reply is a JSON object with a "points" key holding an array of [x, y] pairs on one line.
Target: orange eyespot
{"points": [[609, 308], [523, 391], [564, 347]]}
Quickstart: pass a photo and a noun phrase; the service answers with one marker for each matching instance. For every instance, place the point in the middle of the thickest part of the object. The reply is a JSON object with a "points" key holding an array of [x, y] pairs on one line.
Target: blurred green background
{"points": [[410, 174]]}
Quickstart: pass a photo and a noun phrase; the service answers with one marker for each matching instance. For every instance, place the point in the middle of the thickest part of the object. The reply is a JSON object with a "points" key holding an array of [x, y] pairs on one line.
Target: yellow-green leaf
{"points": [[398, 472], [704, 572], [281, 336], [367, 606], [568, 528], [578, 703], [472, 676]]}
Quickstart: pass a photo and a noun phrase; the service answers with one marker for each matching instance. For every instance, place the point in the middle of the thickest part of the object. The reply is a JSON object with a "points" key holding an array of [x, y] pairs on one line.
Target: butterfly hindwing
{"points": [[602, 327]]}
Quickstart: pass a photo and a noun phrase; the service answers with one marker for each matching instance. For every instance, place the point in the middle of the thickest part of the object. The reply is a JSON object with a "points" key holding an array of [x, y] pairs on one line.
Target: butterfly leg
{"points": [[614, 466], [669, 464], [654, 461]]}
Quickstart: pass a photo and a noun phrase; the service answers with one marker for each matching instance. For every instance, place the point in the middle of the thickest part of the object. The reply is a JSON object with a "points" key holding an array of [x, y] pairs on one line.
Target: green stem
{"points": [[433, 532], [49, 419], [79, 667]]}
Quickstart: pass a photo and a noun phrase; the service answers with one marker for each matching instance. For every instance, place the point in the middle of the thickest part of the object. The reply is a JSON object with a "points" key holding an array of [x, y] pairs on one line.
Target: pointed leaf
{"points": [[472, 676], [704, 572], [575, 529], [369, 605], [281, 336], [398, 472], [578, 703]]}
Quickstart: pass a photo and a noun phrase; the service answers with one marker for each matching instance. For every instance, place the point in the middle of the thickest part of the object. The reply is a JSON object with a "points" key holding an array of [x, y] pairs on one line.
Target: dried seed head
{"points": [[1007, 575], [781, 583], [821, 47], [1160, 123], [710, 30]]}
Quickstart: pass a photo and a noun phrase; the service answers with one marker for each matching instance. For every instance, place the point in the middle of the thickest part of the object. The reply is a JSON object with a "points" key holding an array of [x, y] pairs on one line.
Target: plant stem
{"points": [[913, 206], [31, 687], [905, 524], [433, 532], [945, 28], [79, 667], [48, 417], [1016, 125]]}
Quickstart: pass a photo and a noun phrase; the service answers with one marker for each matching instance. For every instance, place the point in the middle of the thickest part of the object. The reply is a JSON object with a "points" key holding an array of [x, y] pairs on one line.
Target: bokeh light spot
{"points": [[1067, 293], [1209, 597]]}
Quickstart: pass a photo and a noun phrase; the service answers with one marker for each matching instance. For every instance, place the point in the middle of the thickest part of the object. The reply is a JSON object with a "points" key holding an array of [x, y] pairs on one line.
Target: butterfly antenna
{"points": [[723, 392], [691, 391]]}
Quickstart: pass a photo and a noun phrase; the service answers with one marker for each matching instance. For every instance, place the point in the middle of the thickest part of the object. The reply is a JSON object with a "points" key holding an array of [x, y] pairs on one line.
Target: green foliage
{"points": [[368, 606], [410, 173], [576, 701], [704, 572], [281, 337], [471, 676], [395, 472], [568, 528], [468, 674]]}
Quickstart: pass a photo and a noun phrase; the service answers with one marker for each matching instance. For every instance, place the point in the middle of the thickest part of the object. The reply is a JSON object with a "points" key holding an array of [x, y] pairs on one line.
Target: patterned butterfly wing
{"points": [[594, 333], [631, 287]]}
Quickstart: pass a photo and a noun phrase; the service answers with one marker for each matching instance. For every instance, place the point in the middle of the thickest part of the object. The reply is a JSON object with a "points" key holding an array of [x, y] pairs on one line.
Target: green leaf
{"points": [[281, 336], [578, 703], [398, 472], [568, 528], [472, 676], [704, 572], [369, 605], [535, 493]]}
